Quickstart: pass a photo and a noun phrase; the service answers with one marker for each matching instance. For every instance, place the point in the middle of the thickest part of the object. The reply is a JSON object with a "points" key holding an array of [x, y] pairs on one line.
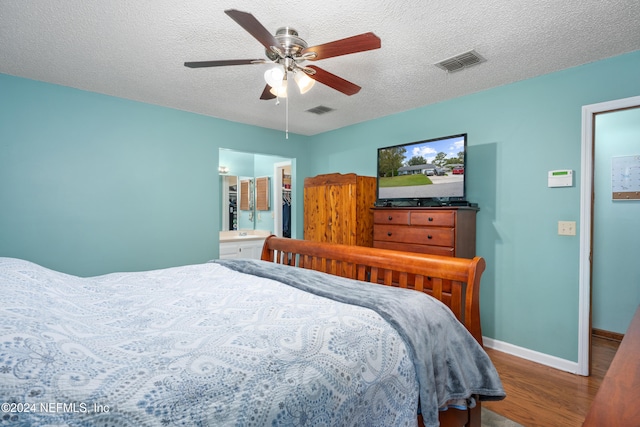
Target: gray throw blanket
{"points": [[449, 362]]}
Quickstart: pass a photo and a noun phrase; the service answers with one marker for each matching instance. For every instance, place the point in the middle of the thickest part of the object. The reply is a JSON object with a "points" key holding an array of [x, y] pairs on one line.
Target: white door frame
{"points": [[586, 185]]}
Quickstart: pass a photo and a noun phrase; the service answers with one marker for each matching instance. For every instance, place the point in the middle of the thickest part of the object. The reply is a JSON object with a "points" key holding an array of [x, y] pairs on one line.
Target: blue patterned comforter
{"points": [[199, 345], [450, 365]]}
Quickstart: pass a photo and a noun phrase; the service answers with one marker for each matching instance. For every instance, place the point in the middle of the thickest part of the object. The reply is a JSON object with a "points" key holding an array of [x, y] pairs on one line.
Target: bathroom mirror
{"points": [[274, 215], [237, 206]]}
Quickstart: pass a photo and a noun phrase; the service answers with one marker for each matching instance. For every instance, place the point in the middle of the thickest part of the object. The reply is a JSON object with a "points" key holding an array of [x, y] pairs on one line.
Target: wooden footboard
{"points": [[454, 281]]}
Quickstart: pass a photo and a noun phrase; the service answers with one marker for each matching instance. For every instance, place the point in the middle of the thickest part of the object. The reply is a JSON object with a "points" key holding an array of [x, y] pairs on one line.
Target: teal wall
{"points": [[93, 184], [615, 291], [516, 134]]}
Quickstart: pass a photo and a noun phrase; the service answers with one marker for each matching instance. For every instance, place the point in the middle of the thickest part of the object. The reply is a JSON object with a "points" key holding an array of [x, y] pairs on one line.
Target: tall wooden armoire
{"points": [[337, 208]]}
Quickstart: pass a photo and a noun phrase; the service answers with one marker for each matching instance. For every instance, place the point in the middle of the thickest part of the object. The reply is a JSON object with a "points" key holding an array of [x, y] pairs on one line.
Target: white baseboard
{"points": [[534, 356]]}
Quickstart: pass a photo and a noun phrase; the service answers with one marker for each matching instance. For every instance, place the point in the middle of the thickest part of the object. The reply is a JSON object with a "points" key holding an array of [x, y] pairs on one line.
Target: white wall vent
{"points": [[320, 109], [461, 61]]}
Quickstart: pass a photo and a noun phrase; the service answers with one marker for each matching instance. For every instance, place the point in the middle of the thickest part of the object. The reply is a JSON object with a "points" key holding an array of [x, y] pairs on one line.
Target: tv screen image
{"points": [[429, 171]]}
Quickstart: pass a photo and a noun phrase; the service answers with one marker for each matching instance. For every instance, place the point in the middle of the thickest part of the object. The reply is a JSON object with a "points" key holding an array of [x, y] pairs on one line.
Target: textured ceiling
{"points": [[136, 50]]}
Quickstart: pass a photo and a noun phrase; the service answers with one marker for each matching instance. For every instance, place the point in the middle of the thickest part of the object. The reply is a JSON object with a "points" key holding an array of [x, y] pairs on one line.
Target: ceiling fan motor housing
{"points": [[289, 41]]}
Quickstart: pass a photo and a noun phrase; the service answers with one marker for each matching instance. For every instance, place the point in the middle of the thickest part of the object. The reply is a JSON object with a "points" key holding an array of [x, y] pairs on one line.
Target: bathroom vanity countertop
{"points": [[236, 236]]}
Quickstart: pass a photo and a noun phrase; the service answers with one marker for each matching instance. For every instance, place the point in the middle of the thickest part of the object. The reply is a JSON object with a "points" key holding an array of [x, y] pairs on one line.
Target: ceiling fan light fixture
{"points": [[280, 91], [274, 77], [304, 82]]}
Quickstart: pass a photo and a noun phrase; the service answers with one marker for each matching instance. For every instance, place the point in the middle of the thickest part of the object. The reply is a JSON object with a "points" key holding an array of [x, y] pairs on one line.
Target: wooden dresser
{"points": [[616, 403], [337, 208], [449, 231]]}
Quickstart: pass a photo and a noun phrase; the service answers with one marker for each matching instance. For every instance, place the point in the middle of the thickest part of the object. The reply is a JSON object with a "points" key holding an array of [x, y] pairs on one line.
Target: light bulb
{"points": [[280, 91], [274, 77], [304, 82]]}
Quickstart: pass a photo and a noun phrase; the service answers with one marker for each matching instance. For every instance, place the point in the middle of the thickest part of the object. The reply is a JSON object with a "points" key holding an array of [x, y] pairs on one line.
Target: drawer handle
{"points": [[429, 236], [390, 217], [389, 233], [430, 219]]}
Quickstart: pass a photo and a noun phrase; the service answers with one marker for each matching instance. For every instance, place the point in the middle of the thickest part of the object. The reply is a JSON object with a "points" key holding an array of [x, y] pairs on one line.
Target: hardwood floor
{"points": [[540, 396]]}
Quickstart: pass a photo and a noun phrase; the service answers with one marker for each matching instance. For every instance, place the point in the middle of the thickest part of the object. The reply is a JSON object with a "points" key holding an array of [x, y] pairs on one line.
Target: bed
{"points": [[247, 342]]}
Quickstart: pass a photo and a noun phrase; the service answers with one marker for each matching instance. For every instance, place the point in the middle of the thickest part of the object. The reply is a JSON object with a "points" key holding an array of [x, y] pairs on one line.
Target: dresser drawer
{"points": [[436, 219], [436, 236], [410, 247], [391, 217]]}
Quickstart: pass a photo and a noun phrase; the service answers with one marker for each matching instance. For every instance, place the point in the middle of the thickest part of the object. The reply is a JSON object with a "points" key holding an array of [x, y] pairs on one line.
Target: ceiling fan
{"points": [[289, 52]]}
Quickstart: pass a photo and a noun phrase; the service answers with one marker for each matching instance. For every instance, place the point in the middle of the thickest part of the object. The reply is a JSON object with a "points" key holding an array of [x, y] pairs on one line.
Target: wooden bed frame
{"points": [[454, 281]]}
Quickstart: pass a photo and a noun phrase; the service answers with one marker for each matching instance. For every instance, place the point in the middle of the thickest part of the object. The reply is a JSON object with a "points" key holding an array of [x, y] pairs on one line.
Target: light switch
{"points": [[566, 228]]}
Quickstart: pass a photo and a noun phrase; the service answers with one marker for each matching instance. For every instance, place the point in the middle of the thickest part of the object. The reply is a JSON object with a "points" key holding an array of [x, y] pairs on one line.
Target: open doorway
{"points": [[282, 189], [589, 114]]}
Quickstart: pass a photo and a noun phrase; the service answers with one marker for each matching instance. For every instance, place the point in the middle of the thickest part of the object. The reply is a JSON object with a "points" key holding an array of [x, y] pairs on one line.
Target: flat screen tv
{"points": [[423, 173]]}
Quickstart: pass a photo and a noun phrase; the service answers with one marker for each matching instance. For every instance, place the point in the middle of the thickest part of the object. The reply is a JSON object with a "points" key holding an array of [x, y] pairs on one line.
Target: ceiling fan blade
{"points": [[359, 43], [253, 27], [200, 64], [333, 81], [266, 94]]}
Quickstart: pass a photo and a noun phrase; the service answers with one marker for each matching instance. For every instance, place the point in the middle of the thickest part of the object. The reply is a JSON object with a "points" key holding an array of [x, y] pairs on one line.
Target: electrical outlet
{"points": [[566, 228]]}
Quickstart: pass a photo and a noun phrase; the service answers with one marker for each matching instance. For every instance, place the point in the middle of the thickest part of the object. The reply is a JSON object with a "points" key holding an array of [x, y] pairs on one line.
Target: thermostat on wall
{"points": [[561, 178]]}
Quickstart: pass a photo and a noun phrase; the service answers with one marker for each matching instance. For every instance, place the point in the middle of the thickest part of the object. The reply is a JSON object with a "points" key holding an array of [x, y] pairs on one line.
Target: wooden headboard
{"points": [[454, 281]]}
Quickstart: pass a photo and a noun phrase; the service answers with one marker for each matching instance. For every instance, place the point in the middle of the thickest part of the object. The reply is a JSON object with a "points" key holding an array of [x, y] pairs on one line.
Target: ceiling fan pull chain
{"points": [[286, 132]]}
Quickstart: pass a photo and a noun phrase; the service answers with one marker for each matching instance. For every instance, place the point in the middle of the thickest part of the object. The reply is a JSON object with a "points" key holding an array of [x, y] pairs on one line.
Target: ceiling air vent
{"points": [[320, 109], [459, 62]]}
